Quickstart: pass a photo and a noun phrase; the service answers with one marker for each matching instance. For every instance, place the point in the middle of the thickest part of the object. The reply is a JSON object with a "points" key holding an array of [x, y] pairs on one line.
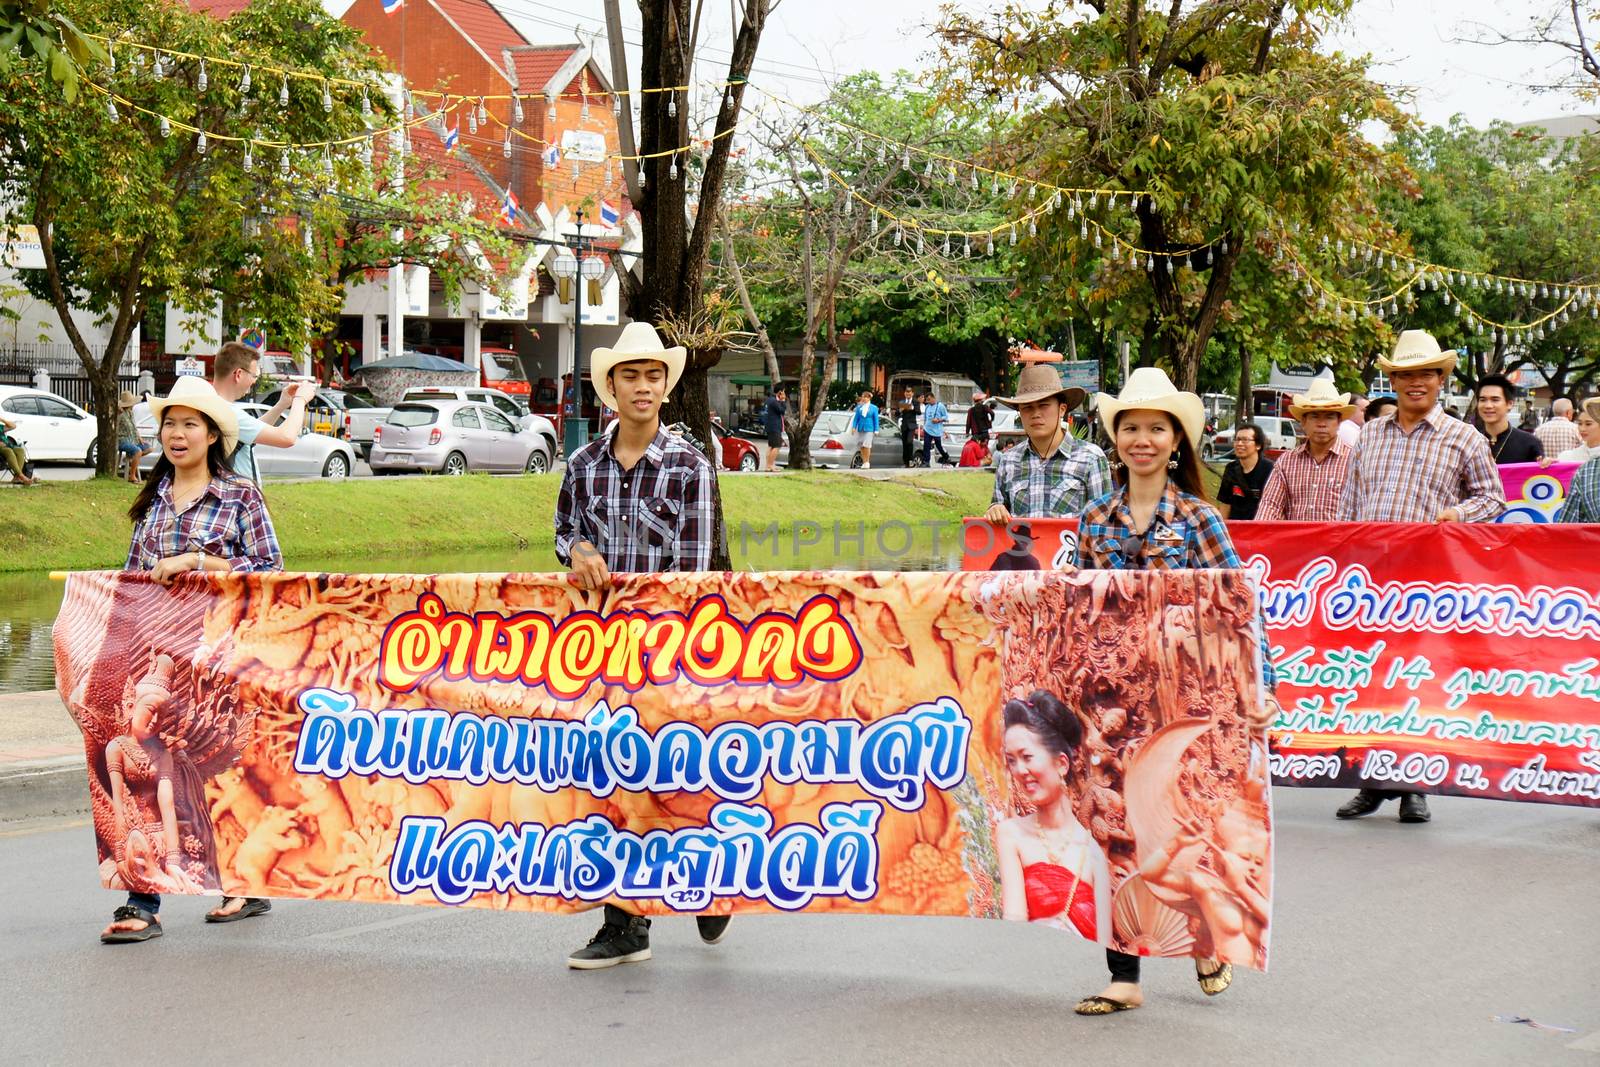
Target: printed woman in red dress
{"points": [[1051, 868]]}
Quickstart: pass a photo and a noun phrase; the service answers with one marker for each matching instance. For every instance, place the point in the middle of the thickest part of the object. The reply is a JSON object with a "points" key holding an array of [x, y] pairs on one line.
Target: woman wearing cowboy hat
{"points": [[194, 514], [1054, 473], [1307, 482], [636, 499], [1418, 465], [128, 442], [1158, 518]]}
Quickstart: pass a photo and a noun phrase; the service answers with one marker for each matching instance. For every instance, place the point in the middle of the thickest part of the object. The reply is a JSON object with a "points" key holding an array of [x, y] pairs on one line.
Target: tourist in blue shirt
{"points": [[863, 425], [934, 416]]}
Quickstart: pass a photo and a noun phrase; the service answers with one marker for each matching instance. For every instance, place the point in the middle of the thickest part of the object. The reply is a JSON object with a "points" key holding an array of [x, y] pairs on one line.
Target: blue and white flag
{"points": [[609, 215]]}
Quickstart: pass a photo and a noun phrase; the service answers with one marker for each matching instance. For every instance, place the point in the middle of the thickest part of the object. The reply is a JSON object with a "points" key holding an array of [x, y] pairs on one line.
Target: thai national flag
{"points": [[391, 6], [508, 210], [451, 136], [552, 156], [609, 215]]}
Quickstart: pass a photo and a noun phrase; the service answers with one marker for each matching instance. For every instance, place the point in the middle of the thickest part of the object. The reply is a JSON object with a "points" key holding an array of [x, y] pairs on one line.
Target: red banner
{"points": [[1454, 659]]}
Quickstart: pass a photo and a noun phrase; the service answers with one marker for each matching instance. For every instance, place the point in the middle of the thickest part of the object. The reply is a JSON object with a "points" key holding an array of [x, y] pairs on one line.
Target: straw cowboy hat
{"points": [[1037, 382], [637, 341], [192, 391], [1321, 397], [126, 400], [1417, 350], [1149, 389]]}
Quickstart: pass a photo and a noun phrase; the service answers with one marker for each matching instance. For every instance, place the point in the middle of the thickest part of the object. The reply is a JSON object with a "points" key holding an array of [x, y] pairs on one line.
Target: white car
{"points": [[1282, 435], [314, 455], [50, 427], [513, 408]]}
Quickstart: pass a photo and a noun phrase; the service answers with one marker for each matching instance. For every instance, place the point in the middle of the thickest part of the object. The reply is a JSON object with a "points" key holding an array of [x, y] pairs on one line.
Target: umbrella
{"points": [[414, 361]]}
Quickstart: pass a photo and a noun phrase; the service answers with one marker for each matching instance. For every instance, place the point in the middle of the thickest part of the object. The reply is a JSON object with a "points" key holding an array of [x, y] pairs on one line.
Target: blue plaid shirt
{"points": [[229, 521], [1186, 534], [1061, 483], [1583, 495]]}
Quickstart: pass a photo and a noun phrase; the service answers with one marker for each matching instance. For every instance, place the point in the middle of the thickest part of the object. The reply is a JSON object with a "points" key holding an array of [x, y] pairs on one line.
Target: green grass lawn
{"points": [[84, 525]]}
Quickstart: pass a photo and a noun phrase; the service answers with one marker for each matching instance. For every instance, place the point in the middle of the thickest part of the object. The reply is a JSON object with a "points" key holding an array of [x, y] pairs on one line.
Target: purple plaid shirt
{"points": [[655, 517], [229, 521]]}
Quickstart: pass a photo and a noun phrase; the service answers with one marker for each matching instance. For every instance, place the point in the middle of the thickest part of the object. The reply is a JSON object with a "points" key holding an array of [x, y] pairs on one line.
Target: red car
{"points": [[737, 453]]}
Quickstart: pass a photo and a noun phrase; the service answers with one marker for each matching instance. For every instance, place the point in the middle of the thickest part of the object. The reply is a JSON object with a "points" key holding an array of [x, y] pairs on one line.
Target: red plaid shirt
{"points": [[1304, 490]]}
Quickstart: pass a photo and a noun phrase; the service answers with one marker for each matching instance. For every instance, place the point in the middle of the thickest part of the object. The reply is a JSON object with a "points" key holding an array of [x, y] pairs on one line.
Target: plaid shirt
{"points": [[1186, 534], [1411, 477], [1303, 490], [1583, 495], [229, 521], [1558, 435], [656, 517], [1061, 483]]}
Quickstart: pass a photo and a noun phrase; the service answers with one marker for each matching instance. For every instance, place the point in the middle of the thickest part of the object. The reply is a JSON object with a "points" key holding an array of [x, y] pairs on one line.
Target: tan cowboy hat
{"points": [[1149, 389], [1039, 381], [193, 391], [126, 400], [1321, 397], [637, 341], [1417, 350]]}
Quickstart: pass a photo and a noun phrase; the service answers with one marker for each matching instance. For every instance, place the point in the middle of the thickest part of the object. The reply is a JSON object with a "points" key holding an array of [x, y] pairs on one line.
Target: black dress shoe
{"points": [[1414, 808], [1363, 803], [712, 927]]}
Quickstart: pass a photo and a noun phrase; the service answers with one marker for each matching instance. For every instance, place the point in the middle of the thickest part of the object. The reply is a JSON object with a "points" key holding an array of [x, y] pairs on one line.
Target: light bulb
{"points": [[516, 110], [111, 109], [244, 81], [200, 143], [283, 92], [166, 127], [327, 98], [201, 80]]}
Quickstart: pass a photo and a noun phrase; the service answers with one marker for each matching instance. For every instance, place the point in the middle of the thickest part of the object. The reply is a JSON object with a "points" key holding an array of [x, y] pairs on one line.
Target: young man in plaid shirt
{"points": [[1307, 482], [1052, 473], [636, 499]]}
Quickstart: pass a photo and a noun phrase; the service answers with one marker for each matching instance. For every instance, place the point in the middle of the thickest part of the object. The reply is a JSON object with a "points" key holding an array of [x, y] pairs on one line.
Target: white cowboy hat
{"points": [[637, 341], [1040, 381], [1417, 350], [1321, 397], [1149, 389], [193, 391]]}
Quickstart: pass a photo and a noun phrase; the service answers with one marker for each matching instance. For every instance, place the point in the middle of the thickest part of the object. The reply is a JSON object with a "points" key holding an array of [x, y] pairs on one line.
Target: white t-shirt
{"points": [[1349, 432]]}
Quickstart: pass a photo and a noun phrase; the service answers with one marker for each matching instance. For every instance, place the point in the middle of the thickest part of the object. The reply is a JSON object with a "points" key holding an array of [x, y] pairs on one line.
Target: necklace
{"points": [[1501, 447]]}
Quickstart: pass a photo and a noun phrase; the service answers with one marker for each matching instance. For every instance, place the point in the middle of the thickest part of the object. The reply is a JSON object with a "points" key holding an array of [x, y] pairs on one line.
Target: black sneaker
{"points": [[712, 927], [623, 939]]}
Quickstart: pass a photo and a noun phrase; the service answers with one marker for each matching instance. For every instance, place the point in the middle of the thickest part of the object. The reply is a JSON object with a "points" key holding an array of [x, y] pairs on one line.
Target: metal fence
{"points": [[61, 359], [73, 387]]}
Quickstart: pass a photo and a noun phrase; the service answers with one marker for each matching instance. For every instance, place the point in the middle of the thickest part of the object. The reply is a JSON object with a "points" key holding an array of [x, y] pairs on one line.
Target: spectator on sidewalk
{"points": [[1350, 426], [863, 427], [129, 445], [1307, 482], [909, 413], [1419, 465], [233, 374], [772, 416], [12, 453], [980, 417], [934, 417]]}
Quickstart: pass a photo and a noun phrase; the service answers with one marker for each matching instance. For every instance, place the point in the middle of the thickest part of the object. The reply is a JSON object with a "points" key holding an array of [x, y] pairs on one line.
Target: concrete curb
{"points": [[44, 789]]}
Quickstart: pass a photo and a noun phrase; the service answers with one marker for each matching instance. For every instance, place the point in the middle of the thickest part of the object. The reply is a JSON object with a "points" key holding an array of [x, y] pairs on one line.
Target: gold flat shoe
{"points": [[1102, 1006], [1217, 981]]}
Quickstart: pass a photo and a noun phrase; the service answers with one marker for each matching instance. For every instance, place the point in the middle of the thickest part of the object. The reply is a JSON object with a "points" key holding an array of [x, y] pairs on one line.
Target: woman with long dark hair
{"points": [[193, 513], [1052, 870], [1158, 518]]}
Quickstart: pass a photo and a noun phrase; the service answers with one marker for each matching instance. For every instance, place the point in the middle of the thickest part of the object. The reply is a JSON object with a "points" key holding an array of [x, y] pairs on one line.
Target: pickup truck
{"points": [[341, 413]]}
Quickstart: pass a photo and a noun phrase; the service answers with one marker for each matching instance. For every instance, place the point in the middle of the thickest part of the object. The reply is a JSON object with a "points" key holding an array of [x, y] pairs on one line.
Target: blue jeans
{"points": [[150, 902]]}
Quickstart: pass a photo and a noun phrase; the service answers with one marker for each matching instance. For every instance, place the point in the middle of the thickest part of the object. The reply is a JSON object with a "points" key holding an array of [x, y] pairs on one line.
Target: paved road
{"points": [[1395, 945]]}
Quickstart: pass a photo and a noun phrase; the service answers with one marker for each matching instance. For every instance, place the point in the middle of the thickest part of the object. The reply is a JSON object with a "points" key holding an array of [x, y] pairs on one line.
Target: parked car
{"points": [[50, 427], [733, 453], [512, 406], [827, 443], [456, 437], [343, 414], [313, 455], [1282, 435]]}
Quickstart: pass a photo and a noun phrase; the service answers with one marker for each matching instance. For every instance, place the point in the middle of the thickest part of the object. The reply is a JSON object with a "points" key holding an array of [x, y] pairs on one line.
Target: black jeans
{"points": [[929, 443], [1124, 967]]}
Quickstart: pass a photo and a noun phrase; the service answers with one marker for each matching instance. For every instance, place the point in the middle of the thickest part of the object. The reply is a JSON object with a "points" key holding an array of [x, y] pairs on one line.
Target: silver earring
{"points": [[1172, 464]]}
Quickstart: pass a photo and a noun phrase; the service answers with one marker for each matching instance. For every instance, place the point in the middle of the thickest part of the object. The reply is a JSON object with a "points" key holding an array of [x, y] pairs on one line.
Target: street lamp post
{"points": [[577, 268]]}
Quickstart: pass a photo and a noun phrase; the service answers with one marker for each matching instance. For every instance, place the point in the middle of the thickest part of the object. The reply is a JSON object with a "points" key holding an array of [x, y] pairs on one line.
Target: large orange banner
{"points": [[1064, 749]]}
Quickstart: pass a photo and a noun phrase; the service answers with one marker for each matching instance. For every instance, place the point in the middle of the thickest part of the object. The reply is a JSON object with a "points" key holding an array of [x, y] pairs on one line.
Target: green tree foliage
{"points": [[1226, 112], [1512, 202], [29, 29], [133, 209]]}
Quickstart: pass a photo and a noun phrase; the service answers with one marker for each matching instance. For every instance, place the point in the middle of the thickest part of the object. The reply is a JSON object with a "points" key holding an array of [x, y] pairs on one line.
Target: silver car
{"points": [[455, 437], [313, 455], [828, 437]]}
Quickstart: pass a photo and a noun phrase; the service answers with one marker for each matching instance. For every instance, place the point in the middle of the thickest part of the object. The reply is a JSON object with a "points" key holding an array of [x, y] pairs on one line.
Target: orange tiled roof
{"points": [[484, 24]]}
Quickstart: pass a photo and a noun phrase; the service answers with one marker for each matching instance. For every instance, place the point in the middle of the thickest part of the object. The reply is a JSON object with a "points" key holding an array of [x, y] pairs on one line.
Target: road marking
{"points": [[49, 825], [1587, 1044], [425, 915]]}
